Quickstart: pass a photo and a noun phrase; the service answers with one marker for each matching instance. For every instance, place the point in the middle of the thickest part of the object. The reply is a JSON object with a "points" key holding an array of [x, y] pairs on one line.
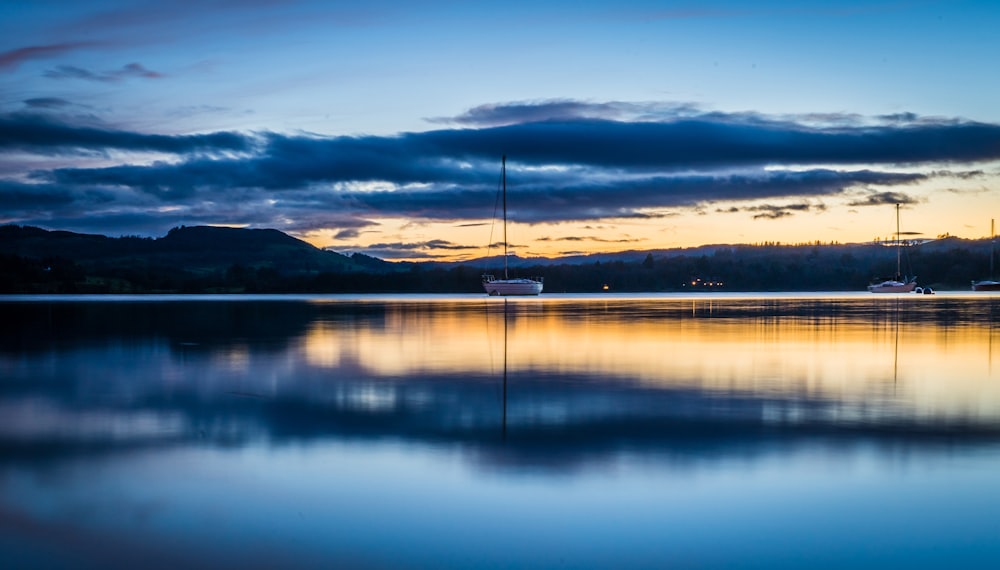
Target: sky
{"points": [[378, 127]]}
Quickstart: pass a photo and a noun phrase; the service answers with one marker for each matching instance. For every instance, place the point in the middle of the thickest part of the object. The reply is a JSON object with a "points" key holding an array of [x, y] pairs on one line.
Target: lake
{"points": [[562, 431]]}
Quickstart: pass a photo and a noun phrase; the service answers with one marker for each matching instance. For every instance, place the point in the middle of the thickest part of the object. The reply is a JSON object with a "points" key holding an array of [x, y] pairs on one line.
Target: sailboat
{"points": [[897, 284], [507, 285], [990, 284]]}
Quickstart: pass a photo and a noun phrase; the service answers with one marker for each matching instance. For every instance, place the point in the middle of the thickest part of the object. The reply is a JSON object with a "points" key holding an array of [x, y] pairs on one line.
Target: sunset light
{"points": [[530, 285], [340, 126]]}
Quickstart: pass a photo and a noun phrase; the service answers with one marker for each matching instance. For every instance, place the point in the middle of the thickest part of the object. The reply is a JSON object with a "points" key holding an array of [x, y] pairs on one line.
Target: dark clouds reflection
{"points": [[108, 377]]}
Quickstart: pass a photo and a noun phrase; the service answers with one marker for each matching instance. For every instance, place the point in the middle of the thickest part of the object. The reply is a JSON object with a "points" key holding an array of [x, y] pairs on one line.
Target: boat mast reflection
{"points": [[504, 421], [895, 355]]}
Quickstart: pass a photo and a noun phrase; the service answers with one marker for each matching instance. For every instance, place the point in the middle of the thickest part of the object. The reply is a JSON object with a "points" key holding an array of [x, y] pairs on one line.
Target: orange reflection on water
{"points": [[407, 342], [939, 371]]}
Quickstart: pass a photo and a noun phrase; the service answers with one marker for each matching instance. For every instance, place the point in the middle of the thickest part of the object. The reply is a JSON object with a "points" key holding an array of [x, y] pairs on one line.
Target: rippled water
{"points": [[736, 431]]}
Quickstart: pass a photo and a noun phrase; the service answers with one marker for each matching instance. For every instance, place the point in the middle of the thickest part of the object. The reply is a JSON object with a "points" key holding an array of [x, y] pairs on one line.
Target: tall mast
{"points": [[993, 240], [503, 172], [898, 274]]}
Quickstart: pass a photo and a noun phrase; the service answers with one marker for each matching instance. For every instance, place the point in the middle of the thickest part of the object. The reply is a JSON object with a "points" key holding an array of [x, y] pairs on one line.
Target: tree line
{"points": [[728, 268]]}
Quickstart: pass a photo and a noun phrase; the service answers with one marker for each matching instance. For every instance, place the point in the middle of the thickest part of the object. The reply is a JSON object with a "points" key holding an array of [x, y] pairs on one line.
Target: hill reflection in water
{"points": [[564, 387]]}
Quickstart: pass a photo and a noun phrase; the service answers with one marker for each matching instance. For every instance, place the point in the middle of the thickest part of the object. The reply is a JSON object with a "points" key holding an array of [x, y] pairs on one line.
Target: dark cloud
{"points": [[137, 70], [772, 214], [14, 58], [591, 239], [772, 211], [565, 109], [708, 141], [350, 233], [961, 175], [427, 250], [132, 70], [45, 135], [900, 118], [46, 103], [431, 244], [16, 197], [713, 143], [569, 199], [883, 199], [73, 72], [575, 165]]}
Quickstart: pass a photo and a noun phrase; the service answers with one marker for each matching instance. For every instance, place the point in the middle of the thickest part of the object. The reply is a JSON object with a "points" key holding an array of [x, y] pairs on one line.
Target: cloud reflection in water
{"points": [[585, 379], [372, 432]]}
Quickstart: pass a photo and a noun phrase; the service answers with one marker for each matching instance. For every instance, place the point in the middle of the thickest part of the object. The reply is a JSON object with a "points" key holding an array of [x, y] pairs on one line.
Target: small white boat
{"points": [[893, 286], [897, 284], [989, 284], [986, 285], [508, 285], [517, 286]]}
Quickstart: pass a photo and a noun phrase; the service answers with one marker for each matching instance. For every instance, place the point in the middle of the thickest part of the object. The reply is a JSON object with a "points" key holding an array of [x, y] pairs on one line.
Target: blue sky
{"points": [[378, 126]]}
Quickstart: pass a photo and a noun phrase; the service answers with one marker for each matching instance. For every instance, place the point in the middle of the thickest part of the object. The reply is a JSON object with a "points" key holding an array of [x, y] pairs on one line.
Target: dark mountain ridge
{"points": [[189, 247], [222, 259]]}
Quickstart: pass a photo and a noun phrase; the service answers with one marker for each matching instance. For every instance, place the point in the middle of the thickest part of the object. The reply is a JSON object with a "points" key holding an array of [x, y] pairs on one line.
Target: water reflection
{"points": [[585, 376], [118, 393]]}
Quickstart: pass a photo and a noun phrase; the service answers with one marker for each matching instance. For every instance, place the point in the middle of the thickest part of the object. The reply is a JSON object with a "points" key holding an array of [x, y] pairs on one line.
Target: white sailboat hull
{"points": [[986, 285], [506, 287], [990, 284], [892, 287]]}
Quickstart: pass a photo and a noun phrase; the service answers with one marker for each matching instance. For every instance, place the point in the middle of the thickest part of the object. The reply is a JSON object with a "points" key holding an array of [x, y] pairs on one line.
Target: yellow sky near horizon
{"points": [[946, 206]]}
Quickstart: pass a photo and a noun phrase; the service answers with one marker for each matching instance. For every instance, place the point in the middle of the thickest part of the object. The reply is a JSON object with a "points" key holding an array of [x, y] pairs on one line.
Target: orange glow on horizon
{"points": [[961, 212]]}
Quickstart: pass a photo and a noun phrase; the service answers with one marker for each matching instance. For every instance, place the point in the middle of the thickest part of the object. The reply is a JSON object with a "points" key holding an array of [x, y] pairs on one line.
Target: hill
{"points": [[214, 259], [199, 256], [192, 247]]}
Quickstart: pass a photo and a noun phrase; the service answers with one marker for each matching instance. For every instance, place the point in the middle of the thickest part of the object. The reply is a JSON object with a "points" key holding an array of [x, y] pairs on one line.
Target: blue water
{"points": [[596, 431]]}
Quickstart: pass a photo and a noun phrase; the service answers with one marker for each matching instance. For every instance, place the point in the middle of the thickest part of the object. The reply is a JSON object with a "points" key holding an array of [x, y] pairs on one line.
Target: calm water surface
{"points": [[722, 431]]}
